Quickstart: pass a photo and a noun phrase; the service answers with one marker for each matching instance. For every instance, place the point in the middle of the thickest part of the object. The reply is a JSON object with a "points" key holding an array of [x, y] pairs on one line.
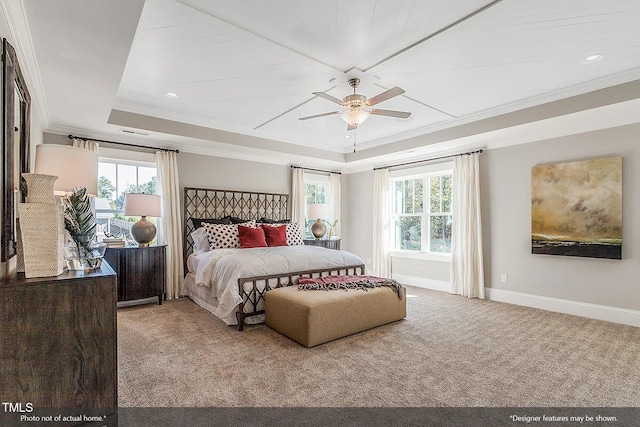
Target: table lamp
{"points": [[142, 205], [319, 212]]}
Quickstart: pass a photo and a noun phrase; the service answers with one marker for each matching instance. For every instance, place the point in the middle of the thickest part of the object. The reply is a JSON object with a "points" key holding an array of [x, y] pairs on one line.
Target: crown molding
{"points": [[20, 35]]}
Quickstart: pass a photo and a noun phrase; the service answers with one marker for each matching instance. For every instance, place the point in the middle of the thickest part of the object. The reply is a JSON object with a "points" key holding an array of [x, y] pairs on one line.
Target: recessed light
{"points": [[590, 59], [171, 95], [347, 136]]}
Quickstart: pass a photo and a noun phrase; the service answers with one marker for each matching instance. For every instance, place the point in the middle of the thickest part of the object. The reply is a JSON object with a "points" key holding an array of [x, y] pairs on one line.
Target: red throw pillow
{"points": [[251, 237], [276, 236]]}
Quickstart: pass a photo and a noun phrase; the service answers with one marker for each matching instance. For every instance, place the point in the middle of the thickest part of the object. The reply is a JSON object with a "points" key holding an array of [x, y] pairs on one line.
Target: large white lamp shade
{"points": [[142, 205], [74, 167]]}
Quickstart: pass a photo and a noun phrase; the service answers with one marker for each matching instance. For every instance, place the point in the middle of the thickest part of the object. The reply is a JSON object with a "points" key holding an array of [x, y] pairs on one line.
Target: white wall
{"points": [[591, 287]]}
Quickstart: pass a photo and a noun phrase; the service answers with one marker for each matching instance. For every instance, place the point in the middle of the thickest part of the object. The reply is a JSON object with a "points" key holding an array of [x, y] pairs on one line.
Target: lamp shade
{"points": [[317, 211], [74, 167], [142, 205]]}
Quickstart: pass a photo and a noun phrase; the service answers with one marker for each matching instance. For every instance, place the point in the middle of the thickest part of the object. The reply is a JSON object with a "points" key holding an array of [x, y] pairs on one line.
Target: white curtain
{"points": [[170, 223], [381, 223], [87, 145], [334, 201], [467, 271], [297, 195]]}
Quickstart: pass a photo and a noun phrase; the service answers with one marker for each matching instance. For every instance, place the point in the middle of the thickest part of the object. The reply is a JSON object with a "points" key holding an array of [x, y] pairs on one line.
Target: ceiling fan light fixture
{"points": [[355, 117]]}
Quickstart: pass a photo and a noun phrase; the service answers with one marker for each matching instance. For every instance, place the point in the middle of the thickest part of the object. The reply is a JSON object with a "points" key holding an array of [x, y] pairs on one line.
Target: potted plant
{"points": [[83, 252]]}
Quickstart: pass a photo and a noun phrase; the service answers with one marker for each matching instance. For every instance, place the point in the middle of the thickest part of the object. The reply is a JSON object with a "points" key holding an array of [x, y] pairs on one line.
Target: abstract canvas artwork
{"points": [[576, 208]]}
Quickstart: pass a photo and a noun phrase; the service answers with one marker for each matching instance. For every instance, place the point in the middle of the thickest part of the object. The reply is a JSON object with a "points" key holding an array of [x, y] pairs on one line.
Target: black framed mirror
{"points": [[16, 106]]}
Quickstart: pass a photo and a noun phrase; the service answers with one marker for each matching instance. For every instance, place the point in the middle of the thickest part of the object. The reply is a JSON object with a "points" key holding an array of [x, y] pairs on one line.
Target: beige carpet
{"points": [[450, 351]]}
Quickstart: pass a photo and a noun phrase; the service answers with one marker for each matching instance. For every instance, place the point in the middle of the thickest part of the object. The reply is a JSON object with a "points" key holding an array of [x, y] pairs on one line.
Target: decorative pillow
{"points": [[275, 235], [251, 237], [294, 234], [223, 236], [264, 220], [236, 220], [197, 222], [200, 240]]}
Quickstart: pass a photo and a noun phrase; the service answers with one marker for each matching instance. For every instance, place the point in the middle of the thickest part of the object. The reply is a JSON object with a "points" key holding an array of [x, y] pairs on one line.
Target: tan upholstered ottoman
{"points": [[315, 317]]}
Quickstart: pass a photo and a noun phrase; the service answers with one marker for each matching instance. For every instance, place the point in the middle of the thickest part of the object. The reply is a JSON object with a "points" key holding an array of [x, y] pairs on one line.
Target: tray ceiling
{"points": [[250, 67]]}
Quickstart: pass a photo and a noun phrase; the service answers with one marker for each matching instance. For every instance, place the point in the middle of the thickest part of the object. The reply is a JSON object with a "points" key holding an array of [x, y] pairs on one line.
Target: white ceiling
{"points": [[245, 71]]}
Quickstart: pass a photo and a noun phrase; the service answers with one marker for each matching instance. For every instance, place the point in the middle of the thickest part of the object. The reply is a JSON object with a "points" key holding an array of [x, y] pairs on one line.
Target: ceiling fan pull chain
{"points": [[355, 137]]}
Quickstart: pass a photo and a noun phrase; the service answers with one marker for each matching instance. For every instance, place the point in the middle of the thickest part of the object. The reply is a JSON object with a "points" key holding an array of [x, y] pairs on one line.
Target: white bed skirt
{"points": [[205, 298]]}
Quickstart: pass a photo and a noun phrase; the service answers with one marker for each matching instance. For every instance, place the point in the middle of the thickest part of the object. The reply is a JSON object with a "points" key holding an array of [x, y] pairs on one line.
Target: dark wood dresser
{"points": [[141, 271], [58, 346]]}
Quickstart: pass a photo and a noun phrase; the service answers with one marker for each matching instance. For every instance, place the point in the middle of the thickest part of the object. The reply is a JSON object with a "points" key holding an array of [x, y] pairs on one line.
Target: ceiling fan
{"points": [[358, 107]]}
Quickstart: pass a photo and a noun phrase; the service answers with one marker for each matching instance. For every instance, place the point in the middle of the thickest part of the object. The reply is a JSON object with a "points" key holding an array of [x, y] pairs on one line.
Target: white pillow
{"points": [[294, 234], [223, 236], [200, 240]]}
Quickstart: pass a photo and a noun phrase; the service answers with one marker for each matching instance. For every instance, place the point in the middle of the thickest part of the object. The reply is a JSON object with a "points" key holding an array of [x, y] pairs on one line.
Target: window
{"points": [[422, 219], [316, 188], [115, 179], [315, 192]]}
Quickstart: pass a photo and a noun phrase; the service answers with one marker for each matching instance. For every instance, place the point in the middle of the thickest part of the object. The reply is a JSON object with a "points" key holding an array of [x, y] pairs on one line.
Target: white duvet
{"points": [[220, 269]]}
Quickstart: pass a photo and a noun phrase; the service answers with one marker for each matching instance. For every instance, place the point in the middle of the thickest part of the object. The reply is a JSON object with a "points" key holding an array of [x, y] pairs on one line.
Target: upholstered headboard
{"points": [[208, 203]]}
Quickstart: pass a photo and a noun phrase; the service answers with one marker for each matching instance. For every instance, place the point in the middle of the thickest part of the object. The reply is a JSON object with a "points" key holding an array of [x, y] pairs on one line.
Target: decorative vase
{"points": [[41, 228], [40, 188], [41, 232]]}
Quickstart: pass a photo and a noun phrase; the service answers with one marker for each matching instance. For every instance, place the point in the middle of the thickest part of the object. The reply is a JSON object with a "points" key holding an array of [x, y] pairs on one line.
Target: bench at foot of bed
{"points": [[317, 316]]}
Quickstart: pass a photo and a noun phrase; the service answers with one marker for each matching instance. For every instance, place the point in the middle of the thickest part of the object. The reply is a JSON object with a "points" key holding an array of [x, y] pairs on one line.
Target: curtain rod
{"points": [[317, 170], [426, 160], [122, 143]]}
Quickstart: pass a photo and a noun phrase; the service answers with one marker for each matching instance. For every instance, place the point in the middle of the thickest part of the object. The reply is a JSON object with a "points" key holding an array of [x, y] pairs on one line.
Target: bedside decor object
{"points": [[319, 212], [83, 252], [142, 205], [41, 229]]}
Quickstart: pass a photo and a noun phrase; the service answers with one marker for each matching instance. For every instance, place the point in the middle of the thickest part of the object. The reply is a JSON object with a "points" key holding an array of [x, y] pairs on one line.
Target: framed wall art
{"points": [[576, 208]]}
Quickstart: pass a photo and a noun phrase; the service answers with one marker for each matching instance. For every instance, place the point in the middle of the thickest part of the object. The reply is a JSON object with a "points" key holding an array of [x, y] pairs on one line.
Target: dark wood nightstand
{"points": [[141, 271], [329, 244]]}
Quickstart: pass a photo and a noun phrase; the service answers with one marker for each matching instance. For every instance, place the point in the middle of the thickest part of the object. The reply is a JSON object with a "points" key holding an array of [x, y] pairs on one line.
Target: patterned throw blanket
{"points": [[348, 282]]}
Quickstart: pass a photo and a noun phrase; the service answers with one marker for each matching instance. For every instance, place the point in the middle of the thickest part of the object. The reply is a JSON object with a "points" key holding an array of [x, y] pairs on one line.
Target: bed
{"points": [[230, 282]]}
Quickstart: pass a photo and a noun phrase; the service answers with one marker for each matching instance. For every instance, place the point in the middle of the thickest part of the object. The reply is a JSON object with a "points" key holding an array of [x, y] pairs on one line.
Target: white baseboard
{"points": [[419, 282], [593, 311], [576, 308]]}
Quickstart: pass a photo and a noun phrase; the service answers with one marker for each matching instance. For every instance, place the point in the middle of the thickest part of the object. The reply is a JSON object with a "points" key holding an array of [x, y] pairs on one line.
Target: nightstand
{"points": [[329, 244], [141, 271]]}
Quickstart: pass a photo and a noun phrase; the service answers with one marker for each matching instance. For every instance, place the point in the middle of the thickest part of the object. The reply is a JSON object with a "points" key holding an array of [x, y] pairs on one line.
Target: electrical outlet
{"points": [[504, 278]]}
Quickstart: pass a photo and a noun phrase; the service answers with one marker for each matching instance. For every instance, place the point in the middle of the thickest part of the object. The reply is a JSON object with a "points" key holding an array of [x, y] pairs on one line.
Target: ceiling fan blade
{"points": [[390, 113], [319, 115], [387, 94], [329, 97], [352, 127]]}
